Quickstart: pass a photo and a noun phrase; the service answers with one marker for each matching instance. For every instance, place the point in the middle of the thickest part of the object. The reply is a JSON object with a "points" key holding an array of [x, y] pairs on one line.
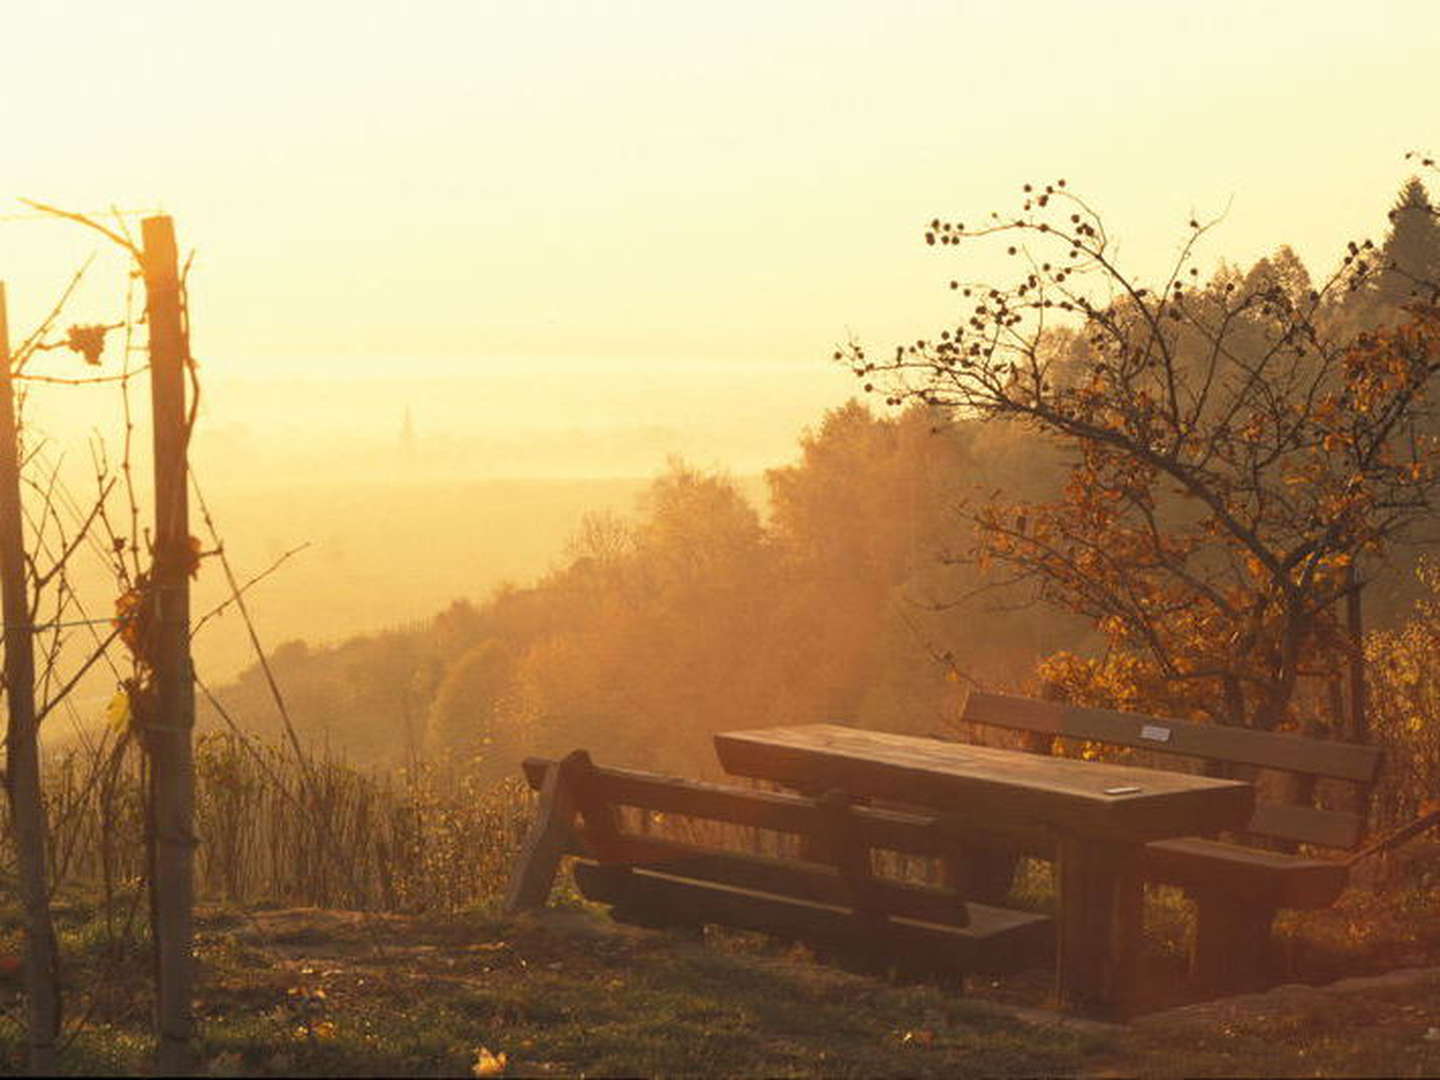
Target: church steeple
{"points": [[407, 437]]}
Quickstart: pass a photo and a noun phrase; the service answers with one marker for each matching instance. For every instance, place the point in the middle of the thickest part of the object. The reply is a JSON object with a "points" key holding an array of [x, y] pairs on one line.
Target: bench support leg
{"points": [[1232, 937], [1100, 927], [990, 874], [550, 835]]}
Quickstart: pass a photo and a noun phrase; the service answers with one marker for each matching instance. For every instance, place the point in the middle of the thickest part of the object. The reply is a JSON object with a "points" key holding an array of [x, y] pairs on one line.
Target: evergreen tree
{"points": [[1410, 256]]}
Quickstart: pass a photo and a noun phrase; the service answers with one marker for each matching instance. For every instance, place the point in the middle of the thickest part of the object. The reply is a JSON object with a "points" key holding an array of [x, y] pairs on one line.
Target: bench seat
{"points": [[827, 893], [994, 940], [1269, 878]]}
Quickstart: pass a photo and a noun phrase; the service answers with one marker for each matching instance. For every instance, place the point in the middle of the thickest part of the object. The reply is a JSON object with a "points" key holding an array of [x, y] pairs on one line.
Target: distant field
{"points": [[382, 553]]}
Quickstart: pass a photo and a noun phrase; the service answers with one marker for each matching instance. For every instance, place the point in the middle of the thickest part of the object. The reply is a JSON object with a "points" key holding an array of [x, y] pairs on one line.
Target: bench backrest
{"points": [[1211, 742]]}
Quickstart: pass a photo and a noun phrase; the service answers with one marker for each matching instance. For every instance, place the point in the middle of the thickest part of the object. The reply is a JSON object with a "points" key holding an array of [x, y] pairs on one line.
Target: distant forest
{"points": [[694, 615], [854, 597]]}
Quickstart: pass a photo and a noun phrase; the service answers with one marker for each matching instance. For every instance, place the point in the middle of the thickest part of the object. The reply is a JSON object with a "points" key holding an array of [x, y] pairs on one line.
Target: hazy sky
{"points": [[594, 191]]}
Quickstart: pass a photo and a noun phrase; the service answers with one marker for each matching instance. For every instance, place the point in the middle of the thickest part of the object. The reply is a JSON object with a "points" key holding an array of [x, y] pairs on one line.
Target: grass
{"points": [[569, 997], [304, 990], [567, 993], [322, 993]]}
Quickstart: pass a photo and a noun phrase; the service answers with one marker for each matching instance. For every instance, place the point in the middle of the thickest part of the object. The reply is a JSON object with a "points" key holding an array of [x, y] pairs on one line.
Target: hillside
{"points": [[819, 592]]}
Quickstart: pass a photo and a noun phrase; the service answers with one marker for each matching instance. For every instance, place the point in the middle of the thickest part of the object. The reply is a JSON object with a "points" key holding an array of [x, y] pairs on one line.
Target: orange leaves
{"points": [[134, 611], [1233, 459], [134, 617], [1112, 626], [1392, 361], [193, 554]]}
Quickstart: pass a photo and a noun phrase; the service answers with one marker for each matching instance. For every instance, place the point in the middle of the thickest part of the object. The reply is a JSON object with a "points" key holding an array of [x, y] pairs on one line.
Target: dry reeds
{"points": [[314, 833]]}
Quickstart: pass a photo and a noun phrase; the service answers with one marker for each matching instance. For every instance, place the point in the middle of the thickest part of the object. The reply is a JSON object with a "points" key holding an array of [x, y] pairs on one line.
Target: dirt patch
{"points": [[305, 925], [1294, 998], [1374, 1025]]}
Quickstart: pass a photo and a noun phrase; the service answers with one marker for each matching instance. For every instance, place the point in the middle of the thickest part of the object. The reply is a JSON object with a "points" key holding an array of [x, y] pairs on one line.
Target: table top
{"points": [[992, 784]]}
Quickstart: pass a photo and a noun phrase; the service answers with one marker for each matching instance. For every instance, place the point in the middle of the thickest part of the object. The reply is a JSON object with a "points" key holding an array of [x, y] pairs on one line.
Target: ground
{"points": [[569, 992]]}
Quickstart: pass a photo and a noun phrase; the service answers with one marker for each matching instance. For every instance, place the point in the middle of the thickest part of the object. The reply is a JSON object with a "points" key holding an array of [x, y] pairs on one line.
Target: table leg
{"points": [[1232, 938], [1097, 966]]}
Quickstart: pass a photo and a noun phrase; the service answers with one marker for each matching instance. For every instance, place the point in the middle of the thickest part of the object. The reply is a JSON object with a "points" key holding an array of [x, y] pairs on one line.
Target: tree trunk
{"points": [[27, 809]]}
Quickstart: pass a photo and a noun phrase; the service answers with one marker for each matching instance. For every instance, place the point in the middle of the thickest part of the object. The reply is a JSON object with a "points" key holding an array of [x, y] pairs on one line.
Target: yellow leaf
{"points": [[488, 1064], [118, 711]]}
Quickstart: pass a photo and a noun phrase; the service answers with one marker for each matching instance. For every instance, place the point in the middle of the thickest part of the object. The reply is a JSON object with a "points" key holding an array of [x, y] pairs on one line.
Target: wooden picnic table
{"points": [[1101, 815]]}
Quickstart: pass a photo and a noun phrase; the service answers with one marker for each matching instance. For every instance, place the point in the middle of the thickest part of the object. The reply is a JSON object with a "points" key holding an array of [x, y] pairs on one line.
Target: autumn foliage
{"points": [[1236, 454]]}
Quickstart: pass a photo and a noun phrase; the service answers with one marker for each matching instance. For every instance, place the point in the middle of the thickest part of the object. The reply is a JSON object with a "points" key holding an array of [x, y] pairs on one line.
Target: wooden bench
{"points": [[826, 894], [1238, 883]]}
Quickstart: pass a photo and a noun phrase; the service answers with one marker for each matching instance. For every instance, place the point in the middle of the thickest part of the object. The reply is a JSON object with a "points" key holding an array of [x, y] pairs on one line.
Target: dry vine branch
{"points": [[61, 541], [237, 597], [255, 579]]}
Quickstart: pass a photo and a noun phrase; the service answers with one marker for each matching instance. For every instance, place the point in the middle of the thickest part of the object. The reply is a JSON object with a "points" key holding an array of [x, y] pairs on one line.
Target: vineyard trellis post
{"points": [[22, 752], [170, 730]]}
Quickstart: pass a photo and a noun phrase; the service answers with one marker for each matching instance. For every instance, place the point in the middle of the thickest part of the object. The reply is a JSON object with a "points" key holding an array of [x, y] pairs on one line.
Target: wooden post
{"points": [[172, 767], [22, 753], [549, 837]]}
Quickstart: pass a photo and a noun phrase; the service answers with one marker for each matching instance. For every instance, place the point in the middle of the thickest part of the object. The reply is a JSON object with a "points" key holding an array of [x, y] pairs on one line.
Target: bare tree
{"points": [[1232, 457], [22, 756]]}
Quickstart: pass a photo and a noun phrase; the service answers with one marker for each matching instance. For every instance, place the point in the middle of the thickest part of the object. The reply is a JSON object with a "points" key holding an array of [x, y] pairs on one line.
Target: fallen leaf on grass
{"points": [[488, 1064]]}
